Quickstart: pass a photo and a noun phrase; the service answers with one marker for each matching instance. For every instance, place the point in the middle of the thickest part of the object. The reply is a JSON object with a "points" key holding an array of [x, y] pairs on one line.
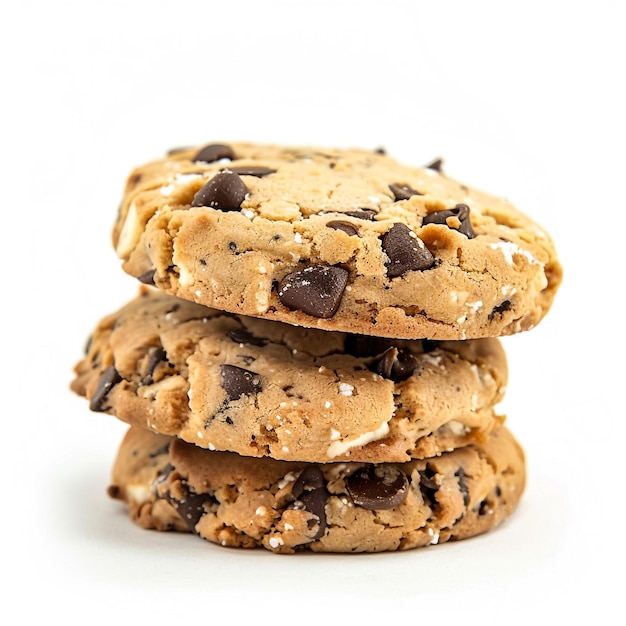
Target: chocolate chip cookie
{"points": [[285, 507], [342, 240], [265, 388]]}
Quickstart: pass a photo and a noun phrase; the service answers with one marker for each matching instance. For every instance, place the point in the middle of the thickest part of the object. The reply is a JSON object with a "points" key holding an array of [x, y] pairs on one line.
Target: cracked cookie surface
{"points": [[345, 240], [287, 507], [261, 388]]}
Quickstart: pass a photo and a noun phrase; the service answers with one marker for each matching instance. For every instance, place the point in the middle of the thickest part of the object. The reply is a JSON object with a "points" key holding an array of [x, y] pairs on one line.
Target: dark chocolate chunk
{"points": [[147, 278], [429, 486], [378, 487], [500, 308], [427, 478], [237, 381], [251, 170], [460, 212], [436, 165], [363, 214], [310, 490], [191, 509], [108, 379], [463, 488], [346, 227], [405, 251], [366, 345], [311, 478], [241, 335], [485, 507], [403, 192], [156, 355], [315, 290], [225, 191], [190, 506], [214, 152], [394, 364]]}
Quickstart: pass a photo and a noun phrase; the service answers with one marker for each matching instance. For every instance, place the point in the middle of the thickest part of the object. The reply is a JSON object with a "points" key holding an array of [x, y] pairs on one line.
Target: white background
{"points": [[521, 99]]}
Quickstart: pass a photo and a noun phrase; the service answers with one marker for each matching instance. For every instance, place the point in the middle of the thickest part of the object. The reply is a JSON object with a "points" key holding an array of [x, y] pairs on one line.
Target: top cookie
{"points": [[347, 240]]}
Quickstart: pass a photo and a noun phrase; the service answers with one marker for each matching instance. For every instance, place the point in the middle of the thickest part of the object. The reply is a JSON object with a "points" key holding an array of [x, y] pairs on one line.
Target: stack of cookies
{"points": [[312, 361]]}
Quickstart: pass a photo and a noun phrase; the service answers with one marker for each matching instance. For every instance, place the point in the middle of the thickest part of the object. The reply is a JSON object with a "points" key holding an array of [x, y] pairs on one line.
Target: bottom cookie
{"points": [[288, 506]]}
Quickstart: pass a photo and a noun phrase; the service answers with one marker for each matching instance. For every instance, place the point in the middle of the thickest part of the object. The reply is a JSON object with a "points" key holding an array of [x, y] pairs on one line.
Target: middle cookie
{"points": [[264, 388]]}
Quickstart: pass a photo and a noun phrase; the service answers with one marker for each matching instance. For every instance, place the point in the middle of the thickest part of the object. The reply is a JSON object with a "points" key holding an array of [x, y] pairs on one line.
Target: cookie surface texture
{"points": [[285, 507], [261, 388], [344, 240]]}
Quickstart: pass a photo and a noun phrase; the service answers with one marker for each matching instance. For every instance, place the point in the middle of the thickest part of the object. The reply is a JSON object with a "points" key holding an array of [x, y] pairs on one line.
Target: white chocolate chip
{"points": [[509, 249], [287, 478], [341, 447], [345, 389], [130, 233]]}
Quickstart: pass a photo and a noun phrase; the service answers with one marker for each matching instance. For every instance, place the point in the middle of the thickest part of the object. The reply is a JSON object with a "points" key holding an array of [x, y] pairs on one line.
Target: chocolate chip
{"points": [[237, 382], [427, 478], [405, 251], [251, 170], [241, 335], [346, 227], [214, 152], [485, 507], [311, 478], [428, 486], [190, 507], [500, 308], [225, 191], [394, 364], [436, 165], [108, 379], [460, 212], [315, 290], [363, 214], [378, 487], [463, 488], [403, 192], [156, 355], [366, 345], [147, 278], [310, 490]]}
